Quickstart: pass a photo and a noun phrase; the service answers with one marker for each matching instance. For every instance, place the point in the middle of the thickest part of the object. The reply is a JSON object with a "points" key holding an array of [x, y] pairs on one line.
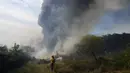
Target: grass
{"points": [[69, 66], [32, 68]]}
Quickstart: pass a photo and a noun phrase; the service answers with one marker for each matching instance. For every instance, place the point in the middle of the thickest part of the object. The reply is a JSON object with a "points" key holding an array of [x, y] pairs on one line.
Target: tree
{"points": [[122, 60], [12, 59], [28, 49], [89, 44], [3, 49]]}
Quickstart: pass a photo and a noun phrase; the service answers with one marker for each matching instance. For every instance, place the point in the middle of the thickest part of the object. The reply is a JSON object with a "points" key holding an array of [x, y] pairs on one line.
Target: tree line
{"points": [[12, 58], [17, 56], [102, 45]]}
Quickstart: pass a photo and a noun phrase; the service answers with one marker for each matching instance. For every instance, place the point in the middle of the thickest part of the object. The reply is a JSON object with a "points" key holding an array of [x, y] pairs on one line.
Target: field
{"points": [[71, 66]]}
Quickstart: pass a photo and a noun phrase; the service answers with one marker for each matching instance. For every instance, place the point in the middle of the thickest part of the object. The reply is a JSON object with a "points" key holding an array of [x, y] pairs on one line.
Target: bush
{"points": [[123, 59], [12, 59]]}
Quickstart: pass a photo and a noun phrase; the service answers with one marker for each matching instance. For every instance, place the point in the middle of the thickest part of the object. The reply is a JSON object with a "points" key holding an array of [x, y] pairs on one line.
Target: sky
{"points": [[18, 21], [114, 22]]}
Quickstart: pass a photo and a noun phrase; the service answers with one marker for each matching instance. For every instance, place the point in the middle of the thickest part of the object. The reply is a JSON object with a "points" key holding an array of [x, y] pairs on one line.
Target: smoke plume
{"points": [[64, 19]]}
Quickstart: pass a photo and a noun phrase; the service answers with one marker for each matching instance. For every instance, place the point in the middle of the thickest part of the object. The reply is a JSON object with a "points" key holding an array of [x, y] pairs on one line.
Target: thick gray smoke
{"points": [[61, 19]]}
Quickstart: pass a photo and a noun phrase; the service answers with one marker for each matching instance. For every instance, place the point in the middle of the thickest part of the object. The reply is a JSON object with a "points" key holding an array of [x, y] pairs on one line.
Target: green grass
{"points": [[69, 66], [32, 68], [60, 67]]}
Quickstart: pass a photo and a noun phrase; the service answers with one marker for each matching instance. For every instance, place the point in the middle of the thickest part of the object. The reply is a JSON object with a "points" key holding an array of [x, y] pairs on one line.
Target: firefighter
{"points": [[52, 63]]}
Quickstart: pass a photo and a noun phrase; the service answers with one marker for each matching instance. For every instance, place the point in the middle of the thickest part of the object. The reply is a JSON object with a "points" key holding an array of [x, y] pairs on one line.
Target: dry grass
{"points": [[69, 67]]}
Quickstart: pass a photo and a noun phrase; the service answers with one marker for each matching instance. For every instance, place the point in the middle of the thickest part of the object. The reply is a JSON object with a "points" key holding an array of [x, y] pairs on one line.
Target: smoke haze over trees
{"points": [[101, 45], [66, 25]]}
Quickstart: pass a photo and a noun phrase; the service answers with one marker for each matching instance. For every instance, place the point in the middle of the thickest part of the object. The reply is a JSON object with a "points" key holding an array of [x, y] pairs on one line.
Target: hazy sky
{"points": [[114, 22], [18, 21]]}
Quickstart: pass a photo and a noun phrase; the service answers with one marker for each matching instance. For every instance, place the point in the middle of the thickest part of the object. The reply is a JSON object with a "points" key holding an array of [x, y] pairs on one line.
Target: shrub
{"points": [[12, 59]]}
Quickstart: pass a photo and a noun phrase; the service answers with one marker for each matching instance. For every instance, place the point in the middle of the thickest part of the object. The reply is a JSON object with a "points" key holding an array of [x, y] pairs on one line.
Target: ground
{"points": [[71, 66]]}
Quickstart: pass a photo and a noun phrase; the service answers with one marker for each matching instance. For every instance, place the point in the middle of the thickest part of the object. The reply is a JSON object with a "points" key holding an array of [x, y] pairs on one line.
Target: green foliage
{"points": [[16, 58], [32, 68], [122, 60], [116, 42], [12, 58], [67, 66], [101, 45], [90, 43]]}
